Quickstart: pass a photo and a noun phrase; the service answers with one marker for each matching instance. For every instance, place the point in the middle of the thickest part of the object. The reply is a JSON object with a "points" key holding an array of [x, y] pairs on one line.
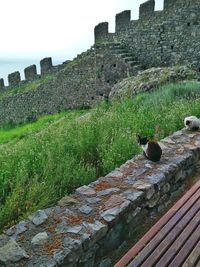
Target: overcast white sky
{"points": [[57, 28]]}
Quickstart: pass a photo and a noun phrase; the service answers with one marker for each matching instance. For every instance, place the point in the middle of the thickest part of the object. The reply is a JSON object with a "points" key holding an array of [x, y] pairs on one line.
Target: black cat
{"points": [[152, 150]]}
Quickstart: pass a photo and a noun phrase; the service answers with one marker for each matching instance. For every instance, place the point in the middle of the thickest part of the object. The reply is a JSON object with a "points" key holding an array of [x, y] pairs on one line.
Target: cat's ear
{"points": [[138, 137], [145, 140]]}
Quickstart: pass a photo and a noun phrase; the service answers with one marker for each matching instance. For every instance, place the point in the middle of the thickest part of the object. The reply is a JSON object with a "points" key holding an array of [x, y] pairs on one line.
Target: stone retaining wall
{"points": [[90, 227]]}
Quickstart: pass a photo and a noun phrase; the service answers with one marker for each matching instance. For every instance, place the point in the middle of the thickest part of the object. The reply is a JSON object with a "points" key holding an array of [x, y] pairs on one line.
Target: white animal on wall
{"points": [[192, 123]]}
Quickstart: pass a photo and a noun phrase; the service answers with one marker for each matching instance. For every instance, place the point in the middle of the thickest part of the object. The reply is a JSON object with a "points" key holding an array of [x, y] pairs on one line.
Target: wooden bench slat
{"points": [[157, 239], [124, 261], [129, 256], [186, 249], [173, 249], [194, 258]]}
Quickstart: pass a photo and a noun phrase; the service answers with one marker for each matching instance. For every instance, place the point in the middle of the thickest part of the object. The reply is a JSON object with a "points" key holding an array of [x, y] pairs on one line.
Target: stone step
{"points": [[132, 63], [120, 50], [116, 44], [124, 55], [128, 59], [135, 69]]}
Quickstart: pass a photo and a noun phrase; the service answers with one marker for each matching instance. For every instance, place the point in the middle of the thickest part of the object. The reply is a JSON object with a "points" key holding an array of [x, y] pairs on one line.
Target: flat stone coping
{"points": [[65, 235]]}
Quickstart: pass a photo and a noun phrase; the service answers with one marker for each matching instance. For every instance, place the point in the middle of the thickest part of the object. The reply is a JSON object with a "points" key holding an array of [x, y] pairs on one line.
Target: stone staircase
{"points": [[122, 52]]}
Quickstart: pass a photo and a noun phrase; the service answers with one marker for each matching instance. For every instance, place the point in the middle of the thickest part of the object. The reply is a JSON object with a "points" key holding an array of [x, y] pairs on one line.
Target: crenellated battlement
{"points": [[162, 38], [101, 31], [2, 85], [14, 79], [158, 38], [31, 74], [46, 65], [147, 9], [122, 20], [176, 4]]}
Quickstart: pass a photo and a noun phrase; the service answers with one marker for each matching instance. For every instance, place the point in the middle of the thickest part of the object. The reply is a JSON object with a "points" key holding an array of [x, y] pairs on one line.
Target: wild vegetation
{"points": [[45, 160], [30, 86]]}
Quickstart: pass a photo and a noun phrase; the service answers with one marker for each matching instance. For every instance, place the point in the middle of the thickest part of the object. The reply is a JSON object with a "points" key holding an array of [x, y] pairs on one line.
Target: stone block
{"points": [[46, 65], [146, 9], [100, 31], [30, 73], [2, 86], [122, 19], [14, 79]]}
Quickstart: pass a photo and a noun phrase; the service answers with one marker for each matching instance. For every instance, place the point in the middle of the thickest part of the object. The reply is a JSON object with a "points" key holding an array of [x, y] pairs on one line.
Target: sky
{"points": [[34, 29]]}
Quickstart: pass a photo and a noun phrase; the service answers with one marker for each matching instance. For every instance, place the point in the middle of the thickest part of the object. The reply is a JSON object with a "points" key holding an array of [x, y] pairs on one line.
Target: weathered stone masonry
{"points": [[14, 79], [2, 84], [158, 38], [30, 73], [83, 82], [90, 227]]}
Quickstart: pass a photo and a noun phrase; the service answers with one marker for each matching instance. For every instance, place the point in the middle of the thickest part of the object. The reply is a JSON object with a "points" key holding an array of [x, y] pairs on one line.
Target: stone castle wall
{"points": [[30, 73], [51, 97], [157, 38], [80, 84]]}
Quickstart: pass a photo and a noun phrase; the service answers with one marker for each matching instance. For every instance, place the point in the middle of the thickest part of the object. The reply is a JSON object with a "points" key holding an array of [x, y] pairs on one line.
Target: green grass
{"points": [[27, 86], [52, 161], [14, 133]]}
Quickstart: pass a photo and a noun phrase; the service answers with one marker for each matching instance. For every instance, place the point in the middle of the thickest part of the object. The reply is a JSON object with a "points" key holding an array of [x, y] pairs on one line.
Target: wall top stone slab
{"points": [[83, 223]]}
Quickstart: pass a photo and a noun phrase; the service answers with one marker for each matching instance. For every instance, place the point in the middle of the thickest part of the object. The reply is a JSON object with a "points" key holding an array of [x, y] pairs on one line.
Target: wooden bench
{"points": [[174, 240]]}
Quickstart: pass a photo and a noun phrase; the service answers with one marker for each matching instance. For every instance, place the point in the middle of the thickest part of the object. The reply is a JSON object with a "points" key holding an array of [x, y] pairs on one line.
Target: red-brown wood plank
{"points": [[194, 258], [173, 248], [156, 240], [167, 242], [154, 230], [186, 249]]}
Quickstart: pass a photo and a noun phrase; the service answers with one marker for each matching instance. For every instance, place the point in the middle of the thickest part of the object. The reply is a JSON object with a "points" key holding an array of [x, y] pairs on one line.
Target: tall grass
{"points": [[46, 165], [30, 86], [13, 133]]}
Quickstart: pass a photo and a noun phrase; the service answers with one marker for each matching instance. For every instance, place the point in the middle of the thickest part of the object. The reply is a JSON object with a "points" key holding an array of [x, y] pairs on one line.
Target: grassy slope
{"points": [[9, 133], [52, 161], [30, 86]]}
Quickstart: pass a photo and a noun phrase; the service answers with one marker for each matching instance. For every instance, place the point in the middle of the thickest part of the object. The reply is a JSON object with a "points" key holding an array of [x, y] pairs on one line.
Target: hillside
{"points": [[150, 79], [69, 124], [164, 38], [49, 158]]}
